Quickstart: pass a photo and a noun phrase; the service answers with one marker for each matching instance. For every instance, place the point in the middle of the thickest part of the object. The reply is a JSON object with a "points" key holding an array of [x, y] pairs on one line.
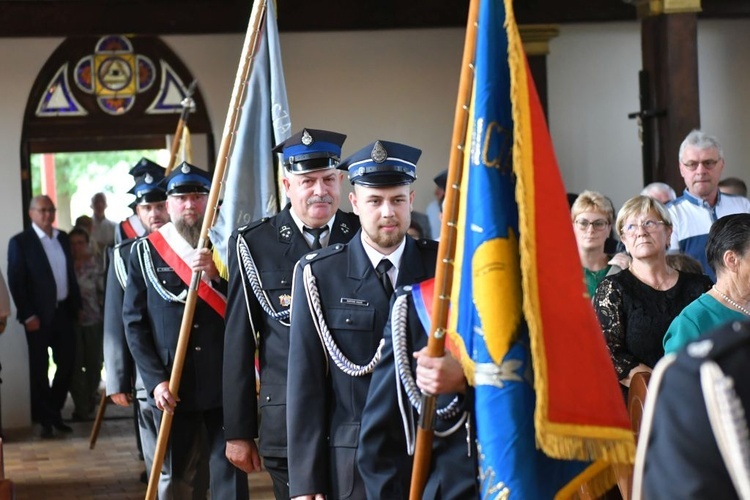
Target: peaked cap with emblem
{"points": [[148, 176], [382, 163], [311, 149], [187, 178]]}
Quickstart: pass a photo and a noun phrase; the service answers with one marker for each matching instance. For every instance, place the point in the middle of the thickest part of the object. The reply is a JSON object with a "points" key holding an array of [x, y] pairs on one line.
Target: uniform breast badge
{"points": [[285, 300]]}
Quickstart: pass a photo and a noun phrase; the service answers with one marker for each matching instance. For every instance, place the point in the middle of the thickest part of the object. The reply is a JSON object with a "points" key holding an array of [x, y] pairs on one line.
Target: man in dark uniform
{"points": [[694, 440], [147, 175], [388, 433], [341, 296], [261, 263], [150, 207], [159, 272]]}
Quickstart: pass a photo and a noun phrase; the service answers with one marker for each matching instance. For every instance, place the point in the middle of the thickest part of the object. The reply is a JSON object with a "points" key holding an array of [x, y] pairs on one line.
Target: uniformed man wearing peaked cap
{"points": [[694, 440], [342, 293], [160, 271], [150, 207], [146, 189], [261, 263]]}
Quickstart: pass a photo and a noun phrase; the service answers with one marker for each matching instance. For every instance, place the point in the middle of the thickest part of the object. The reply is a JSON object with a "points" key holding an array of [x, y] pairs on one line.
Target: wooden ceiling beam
{"points": [[46, 18]]}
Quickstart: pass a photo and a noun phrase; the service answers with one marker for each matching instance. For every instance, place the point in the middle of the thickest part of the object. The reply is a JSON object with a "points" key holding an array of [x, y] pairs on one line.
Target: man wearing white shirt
{"points": [[44, 288]]}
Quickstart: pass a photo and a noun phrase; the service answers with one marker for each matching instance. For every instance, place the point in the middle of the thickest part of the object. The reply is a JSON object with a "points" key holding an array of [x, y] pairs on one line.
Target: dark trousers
{"points": [[184, 453], [278, 469], [47, 400]]}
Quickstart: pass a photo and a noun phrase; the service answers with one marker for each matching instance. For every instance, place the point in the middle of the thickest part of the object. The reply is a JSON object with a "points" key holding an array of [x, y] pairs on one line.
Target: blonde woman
{"points": [[636, 306], [592, 215]]}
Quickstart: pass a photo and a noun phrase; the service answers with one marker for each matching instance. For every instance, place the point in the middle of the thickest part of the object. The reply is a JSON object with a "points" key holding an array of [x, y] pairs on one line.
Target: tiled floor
{"points": [[64, 468]]}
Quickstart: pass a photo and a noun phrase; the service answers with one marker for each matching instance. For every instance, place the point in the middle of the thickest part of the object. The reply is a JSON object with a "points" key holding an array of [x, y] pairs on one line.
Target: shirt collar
{"points": [[699, 201], [301, 225], [375, 256], [41, 234]]}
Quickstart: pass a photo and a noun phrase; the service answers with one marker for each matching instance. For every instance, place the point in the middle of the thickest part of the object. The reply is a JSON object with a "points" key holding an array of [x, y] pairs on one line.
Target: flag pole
{"points": [[187, 106], [230, 127], [446, 252]]}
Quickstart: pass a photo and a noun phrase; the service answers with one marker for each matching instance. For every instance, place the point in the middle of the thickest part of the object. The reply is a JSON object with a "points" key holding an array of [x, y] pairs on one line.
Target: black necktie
{"points": [[316, 232], [382, 271]]}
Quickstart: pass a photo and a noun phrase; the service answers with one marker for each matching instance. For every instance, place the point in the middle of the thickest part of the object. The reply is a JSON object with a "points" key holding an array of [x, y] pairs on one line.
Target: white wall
{"points": [[401, 85]]}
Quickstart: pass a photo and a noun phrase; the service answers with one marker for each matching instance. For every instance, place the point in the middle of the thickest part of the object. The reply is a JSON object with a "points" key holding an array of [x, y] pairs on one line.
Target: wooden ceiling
{"points": [[42, 18]]}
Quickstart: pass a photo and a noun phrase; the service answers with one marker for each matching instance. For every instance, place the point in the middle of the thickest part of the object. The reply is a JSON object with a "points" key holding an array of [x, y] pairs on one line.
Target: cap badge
{"points": [[285, 300], [185, 169], [306, 138], [148, 179], [378, 154]]}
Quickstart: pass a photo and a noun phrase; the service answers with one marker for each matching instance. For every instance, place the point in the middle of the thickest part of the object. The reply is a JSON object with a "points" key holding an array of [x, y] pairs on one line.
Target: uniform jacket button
{"points": [[197, 348]]}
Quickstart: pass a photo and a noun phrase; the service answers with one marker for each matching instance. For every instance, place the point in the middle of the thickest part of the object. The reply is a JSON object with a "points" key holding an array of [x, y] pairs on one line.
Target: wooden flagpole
{"points": [[446, 252], [187, 105], [230, 128]]}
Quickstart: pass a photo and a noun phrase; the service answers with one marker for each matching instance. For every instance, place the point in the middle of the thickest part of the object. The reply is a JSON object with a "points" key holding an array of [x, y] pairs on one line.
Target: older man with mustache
{"points": [[261, 264]]}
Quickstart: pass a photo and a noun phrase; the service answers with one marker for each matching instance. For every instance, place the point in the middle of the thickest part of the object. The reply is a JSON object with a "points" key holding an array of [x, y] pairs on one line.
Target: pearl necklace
{"points": [[732, 303]]}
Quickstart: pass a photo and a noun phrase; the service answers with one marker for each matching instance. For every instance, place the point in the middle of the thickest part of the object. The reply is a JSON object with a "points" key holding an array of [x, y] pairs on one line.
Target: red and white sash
{"points": [[178, 253], [132, 227]]}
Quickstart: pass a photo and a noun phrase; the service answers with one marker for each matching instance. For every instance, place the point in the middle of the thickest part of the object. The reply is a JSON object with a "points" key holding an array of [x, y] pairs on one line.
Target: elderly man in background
{"points": [[659, 191], [102, 229], [701, 166], [48, 301]]}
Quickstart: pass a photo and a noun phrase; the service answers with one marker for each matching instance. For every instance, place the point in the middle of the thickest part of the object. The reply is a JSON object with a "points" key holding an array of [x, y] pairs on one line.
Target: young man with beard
{"points": [[342, 293], [261, 263], [159, 273]]}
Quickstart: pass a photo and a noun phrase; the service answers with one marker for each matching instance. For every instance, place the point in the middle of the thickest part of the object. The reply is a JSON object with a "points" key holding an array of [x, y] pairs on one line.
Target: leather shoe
{"points": [[47, 432], [62, 427]]}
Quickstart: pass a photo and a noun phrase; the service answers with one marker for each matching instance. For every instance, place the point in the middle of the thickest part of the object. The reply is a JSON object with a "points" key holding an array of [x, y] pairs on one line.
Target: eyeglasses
{"points": [[598, 225], [707, 164], [648, 225]]}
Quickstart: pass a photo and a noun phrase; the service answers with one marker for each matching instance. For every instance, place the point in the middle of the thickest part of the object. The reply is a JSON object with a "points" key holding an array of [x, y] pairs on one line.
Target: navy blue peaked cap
{"points": [[441, 179], [147, 188], [187, 178], [311, 149], [382, 163]]}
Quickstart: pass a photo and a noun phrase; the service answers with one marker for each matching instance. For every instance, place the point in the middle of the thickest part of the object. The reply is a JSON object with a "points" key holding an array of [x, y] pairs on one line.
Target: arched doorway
{"points": [[110, 93]]}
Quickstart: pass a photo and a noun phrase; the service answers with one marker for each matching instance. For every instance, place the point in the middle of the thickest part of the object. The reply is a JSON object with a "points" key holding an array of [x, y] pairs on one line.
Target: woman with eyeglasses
{"points": [[592, 215], [636, 306], [728, 254]]}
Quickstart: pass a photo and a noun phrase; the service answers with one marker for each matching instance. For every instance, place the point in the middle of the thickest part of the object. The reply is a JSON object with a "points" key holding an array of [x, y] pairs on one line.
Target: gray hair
{"points": [[701, 140], [659, 187]]}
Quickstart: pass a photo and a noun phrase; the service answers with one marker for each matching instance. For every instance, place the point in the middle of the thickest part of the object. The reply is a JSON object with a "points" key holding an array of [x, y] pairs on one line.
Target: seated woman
{"points": [[592, 215], [636, 306], [728, 254]]}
